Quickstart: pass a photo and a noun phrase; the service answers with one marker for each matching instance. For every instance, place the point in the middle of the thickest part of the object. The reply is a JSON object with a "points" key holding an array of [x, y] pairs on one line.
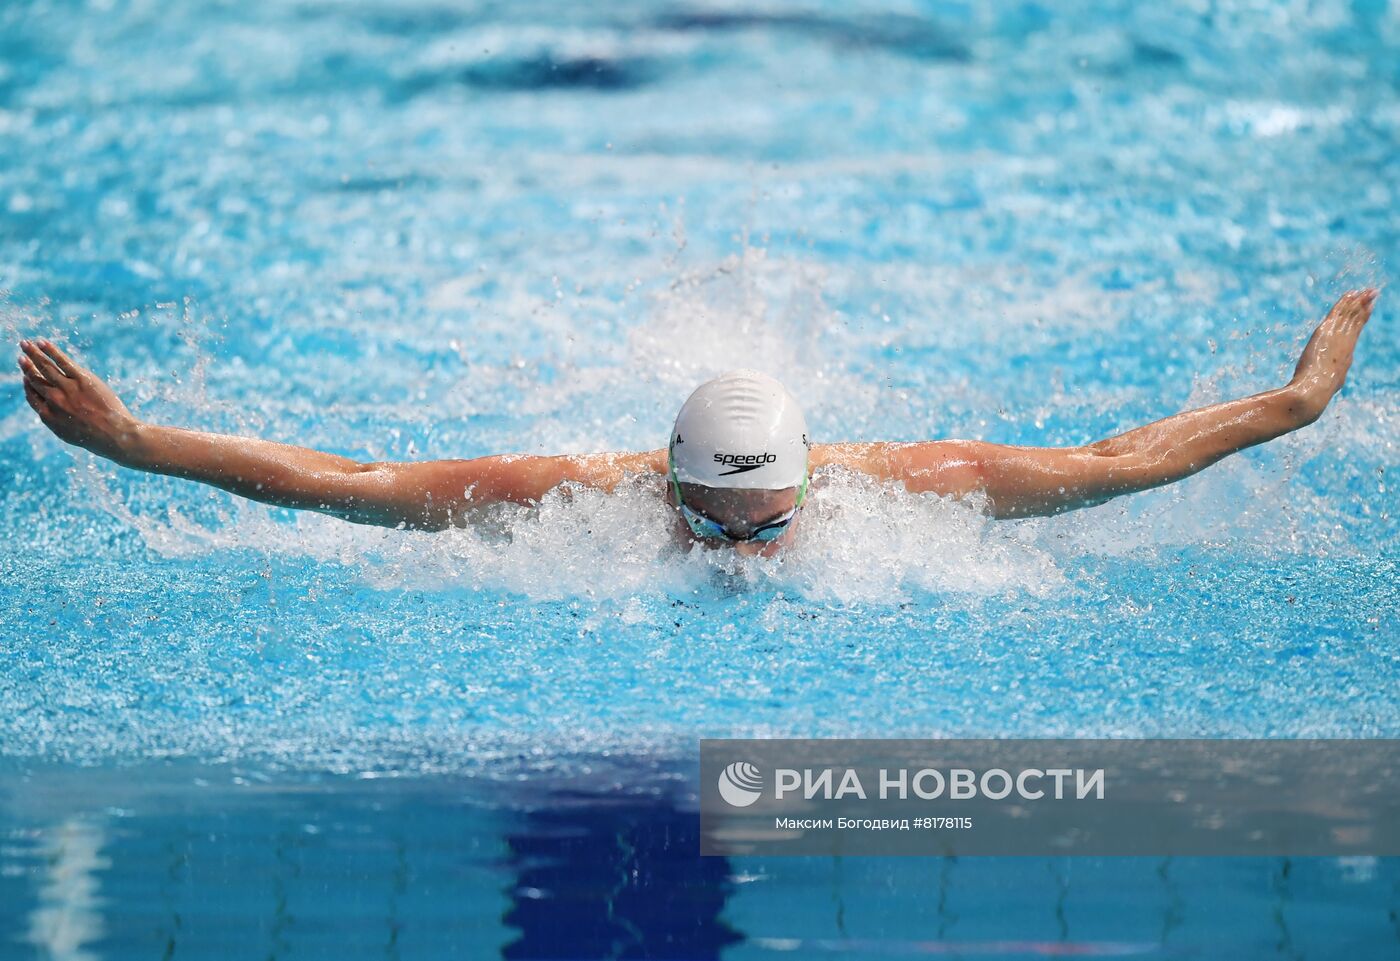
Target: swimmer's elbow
{"points": [[1048, 481], [404, 496]]}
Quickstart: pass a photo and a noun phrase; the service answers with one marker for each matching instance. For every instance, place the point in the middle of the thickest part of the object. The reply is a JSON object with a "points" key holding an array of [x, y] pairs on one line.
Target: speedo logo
{"points": [[743, 463]]}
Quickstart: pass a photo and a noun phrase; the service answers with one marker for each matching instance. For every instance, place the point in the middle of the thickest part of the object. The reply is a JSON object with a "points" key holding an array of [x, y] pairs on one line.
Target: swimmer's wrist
{"points": [[136, 444]]}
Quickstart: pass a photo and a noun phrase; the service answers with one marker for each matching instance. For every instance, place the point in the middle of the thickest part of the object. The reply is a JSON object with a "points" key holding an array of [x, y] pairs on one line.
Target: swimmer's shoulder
{"points": [[607, 470], [943, 466], [868, 457]]}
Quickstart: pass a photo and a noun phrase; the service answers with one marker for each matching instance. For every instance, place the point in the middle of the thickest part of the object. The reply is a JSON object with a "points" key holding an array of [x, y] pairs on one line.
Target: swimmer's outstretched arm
{"points": [[1029, 481], [81, 409]]}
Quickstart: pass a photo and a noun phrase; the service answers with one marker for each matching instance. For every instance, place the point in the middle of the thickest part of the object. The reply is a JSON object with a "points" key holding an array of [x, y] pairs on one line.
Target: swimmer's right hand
{"points": [[75, 403]]}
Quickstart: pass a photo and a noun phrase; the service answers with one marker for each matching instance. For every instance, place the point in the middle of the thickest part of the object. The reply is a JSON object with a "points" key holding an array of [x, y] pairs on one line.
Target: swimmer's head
{"points": [[738, 461], [741, 431]]}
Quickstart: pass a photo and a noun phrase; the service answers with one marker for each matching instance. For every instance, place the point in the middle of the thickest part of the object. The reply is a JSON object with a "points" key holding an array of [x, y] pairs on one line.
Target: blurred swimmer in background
{"points": [[737, 464]]}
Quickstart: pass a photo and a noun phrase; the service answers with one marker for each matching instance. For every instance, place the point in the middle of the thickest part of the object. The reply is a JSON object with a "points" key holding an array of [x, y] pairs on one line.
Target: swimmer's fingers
{"points": [[1353, 308], [33, 376], [1366, 303], [1353, 311], [36, 400], [1323, 366], [42, 362], [61, 360]]}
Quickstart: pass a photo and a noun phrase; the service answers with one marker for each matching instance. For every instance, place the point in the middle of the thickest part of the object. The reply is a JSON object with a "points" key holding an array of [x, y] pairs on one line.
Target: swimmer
{"points": [[736, 466]]}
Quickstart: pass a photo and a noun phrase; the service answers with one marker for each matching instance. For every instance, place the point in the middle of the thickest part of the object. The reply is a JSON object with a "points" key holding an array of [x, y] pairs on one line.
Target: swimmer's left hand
{"points": [[1323, 367]]}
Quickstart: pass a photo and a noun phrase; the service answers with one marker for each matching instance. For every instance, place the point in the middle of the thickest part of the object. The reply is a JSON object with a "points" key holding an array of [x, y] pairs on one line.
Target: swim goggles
{"points": [[704, 526]]}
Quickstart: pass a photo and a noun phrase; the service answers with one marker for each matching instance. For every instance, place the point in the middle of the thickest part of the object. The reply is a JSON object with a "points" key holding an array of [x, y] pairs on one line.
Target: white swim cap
{"points": [[740, 430]]}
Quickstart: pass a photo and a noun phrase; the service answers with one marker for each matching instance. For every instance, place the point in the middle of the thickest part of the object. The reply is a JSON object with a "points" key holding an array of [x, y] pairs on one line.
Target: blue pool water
{"points": [[410, 230]]}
